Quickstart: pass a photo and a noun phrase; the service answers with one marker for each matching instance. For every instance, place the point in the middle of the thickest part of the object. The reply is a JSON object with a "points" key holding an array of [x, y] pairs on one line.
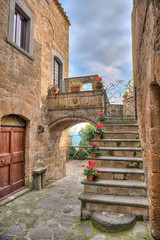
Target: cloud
{"points": [[100, 38]]}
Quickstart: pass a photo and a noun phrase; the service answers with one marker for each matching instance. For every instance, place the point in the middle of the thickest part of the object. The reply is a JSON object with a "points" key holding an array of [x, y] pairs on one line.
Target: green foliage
{"points": [[87, 134], [81, 155], [71, 152]]}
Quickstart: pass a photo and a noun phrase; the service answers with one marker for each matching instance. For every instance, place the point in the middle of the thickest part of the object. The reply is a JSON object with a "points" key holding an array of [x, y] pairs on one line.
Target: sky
{"points": [[100, 38]]}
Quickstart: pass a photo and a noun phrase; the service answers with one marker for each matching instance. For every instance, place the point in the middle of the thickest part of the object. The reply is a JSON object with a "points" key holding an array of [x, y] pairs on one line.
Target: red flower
{"points": [[93, 144], [99, 127], [83, 165], [101, 113]]}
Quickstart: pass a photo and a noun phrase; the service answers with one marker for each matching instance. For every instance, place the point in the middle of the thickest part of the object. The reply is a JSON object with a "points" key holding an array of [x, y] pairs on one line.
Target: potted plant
{"points": [[101, 118], [54, 88], [99, 83], [76, 87], [125, 95], [94, 149], [89, 171], [99, 132]]}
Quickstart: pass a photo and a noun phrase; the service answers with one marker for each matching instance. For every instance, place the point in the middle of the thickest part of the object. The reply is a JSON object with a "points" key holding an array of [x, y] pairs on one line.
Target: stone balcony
{"points": [[76, 100]]}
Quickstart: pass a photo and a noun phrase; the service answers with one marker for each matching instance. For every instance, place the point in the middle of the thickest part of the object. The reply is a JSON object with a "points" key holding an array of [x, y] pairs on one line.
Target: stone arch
{"points": [[69, 121], [56, 151]]}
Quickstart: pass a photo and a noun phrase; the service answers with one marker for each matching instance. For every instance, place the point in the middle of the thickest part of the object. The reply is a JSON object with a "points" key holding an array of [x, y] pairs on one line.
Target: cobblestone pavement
{"points": [[54, 213]]}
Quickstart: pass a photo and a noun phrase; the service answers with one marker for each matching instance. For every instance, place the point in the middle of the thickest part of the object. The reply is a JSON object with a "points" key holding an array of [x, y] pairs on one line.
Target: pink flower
{"points": [[83, 165]]}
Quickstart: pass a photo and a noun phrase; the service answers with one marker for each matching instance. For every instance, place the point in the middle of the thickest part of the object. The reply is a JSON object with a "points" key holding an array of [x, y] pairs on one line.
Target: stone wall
{"points": [[24, 81], [146, 62], [83, 80], [129, 107], [114, 111]]}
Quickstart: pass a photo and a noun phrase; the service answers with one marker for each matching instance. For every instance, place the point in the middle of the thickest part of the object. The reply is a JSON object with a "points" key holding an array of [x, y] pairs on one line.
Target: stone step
{"points": [[121, 134], [112, 222], [115, 187], [118, 142], [117, 162], [121, 151], [110, 203], [120, 127], [121, 174], [127, 121]]}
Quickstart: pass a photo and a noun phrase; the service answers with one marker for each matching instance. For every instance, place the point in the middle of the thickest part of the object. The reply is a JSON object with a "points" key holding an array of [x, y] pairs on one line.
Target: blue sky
{"points": [[100, 38]]}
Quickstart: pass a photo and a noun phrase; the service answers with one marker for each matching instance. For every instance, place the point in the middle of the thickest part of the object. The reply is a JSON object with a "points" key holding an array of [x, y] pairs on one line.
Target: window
{"points": [[20, 27], [19, 30], [57, 70]]}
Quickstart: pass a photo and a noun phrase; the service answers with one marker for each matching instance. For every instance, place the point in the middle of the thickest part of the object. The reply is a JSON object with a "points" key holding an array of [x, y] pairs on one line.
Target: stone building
{"points": [[34, 53], [146, 63]]}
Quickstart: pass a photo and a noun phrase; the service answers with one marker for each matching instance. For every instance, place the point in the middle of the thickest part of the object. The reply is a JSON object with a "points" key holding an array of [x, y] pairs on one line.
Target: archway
{"points": [[12, 157], [56, 149]]}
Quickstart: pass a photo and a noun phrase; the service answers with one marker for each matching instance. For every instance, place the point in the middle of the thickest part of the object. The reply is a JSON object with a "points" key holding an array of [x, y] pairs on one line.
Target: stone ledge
{"points": [[110, 158], [121, 170]]}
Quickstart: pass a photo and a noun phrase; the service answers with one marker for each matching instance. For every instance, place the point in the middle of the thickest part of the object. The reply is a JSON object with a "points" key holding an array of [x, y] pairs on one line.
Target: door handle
{"points": [[3, 161]]}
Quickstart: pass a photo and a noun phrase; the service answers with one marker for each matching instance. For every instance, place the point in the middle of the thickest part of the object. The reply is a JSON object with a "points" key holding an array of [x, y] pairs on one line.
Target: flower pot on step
{"points": [[75, 89], [98, 136], [98, 87], [93, 154], [101, 122], [90, 177]]}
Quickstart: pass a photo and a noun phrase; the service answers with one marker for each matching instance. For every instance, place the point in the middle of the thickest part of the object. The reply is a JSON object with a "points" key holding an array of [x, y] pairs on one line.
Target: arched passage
{"points": [[56, 148]]}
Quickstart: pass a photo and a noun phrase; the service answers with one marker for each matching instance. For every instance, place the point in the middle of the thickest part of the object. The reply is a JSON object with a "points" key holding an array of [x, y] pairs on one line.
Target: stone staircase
{"points": [[120, 188]]}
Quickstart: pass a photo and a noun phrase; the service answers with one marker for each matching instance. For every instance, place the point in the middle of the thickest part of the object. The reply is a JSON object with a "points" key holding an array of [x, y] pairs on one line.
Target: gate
{"points": [[120, 101]]}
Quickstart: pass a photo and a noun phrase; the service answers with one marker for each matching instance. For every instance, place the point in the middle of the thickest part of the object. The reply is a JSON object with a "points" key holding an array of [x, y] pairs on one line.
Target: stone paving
{"points": [[54, 213]]}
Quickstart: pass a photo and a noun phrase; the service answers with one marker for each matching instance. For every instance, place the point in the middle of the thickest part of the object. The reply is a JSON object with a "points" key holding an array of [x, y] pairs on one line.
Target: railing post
{"points": [[105, 103], [135, 97]]}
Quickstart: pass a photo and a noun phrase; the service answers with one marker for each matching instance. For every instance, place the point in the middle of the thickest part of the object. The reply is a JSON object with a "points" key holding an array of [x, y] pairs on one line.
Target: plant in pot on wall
{"points": [[94, 149], [99, 83], [98, 132], [101, 118], [125, 95], [89, 171], [76, 87], [54, 88]]}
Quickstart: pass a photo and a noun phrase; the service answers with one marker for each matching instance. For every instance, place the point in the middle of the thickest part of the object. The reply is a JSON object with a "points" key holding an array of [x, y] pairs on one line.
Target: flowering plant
{"points": [[125, 94], [77, 84], [99, 82], [89, 170], [54, 86], [99, 129], [95, 148], [101, 117]]}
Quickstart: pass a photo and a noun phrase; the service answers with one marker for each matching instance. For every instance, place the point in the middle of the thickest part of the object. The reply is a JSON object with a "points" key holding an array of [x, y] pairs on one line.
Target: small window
{"points": [[57, 72], [19, 31], [20, 27]]}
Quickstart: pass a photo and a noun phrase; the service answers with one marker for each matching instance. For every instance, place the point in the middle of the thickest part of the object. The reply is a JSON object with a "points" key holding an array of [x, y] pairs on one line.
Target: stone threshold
{"points": [[14, 196]]}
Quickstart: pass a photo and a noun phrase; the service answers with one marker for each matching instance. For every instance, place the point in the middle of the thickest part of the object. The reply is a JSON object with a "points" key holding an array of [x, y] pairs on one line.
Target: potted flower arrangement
{"points": [[94, 149], [54, 88], [99, 83], [89, 171], [101, 118], [99, 132], [76, 87], [125, 95]]}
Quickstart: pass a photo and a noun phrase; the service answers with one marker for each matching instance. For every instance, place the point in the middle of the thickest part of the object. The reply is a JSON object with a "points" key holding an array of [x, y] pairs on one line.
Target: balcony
{"points": [[76, 100]]}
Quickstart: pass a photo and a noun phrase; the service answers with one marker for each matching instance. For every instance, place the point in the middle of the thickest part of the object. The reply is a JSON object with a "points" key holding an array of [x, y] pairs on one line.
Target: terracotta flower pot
{"points": [[98, 136], [90, 177], [99, 87], [93, 154], [54, 90], [125, 97], [75, 89], [101, 122]]}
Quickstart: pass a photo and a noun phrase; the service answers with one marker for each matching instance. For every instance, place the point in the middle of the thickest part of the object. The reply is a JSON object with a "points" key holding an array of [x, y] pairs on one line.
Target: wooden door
{"points": [[12, 141]]}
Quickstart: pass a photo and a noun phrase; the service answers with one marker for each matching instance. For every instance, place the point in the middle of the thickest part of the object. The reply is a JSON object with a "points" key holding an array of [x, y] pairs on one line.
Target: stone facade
{"points": [[146, 62], [24, 79]]}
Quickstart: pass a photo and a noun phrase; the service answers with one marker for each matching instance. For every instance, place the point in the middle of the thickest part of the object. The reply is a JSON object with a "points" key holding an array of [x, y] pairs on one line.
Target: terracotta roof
{"points": [[62, 10]]}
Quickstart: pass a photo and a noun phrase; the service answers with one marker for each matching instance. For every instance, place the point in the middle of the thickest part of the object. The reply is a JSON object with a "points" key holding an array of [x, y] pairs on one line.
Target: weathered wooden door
{"points": [[12, 140]]}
